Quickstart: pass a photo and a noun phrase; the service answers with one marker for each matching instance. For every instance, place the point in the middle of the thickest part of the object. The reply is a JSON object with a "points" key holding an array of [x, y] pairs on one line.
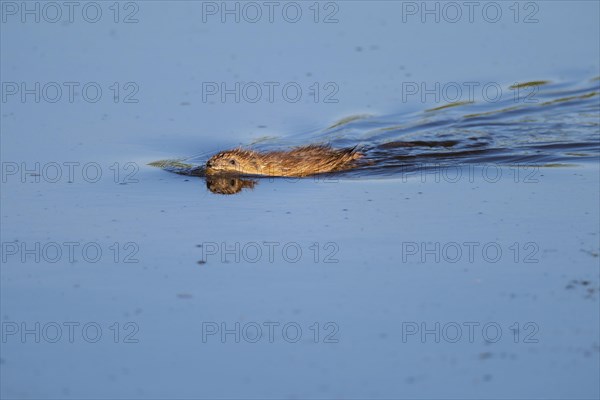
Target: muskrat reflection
{"points": [[228, 184]]}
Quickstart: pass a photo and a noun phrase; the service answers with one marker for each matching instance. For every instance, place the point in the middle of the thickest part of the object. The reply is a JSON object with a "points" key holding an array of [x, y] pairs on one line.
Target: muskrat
{"points": [[298, 162]]}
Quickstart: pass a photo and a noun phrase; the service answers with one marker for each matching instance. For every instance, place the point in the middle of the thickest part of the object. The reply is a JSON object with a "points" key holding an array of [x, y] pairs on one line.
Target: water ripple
{"points": [[558, 123]]}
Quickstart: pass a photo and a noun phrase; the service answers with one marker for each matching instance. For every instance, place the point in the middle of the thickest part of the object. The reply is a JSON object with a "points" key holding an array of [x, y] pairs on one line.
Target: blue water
{"points": [[462, 271], [549, 123]]}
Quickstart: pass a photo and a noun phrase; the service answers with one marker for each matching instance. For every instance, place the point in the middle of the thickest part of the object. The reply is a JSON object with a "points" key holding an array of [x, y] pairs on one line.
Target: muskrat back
{"points": [[299, 162]]}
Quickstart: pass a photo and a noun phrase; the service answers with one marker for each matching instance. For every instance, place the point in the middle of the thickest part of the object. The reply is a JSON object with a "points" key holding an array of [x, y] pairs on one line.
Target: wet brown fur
{"points": [[298, 162]]}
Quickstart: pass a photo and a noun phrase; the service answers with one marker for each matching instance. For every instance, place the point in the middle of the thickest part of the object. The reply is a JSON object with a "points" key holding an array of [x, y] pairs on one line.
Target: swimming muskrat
{"points": [[298, 162]]}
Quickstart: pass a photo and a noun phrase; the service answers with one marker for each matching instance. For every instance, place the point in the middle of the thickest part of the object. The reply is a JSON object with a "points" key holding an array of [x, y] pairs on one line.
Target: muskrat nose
{"points": [[209, 163]]}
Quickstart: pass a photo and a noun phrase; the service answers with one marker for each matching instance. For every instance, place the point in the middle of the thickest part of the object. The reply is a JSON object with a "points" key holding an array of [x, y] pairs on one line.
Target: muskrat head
{"points": [[236, 161]]}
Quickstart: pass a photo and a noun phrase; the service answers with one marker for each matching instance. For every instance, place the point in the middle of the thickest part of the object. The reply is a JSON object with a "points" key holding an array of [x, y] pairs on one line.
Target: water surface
{"points": [[538, 123]]}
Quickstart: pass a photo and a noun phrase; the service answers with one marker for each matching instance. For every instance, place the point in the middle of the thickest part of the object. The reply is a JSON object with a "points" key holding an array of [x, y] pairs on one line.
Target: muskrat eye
{"points": [[232, 162]]}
